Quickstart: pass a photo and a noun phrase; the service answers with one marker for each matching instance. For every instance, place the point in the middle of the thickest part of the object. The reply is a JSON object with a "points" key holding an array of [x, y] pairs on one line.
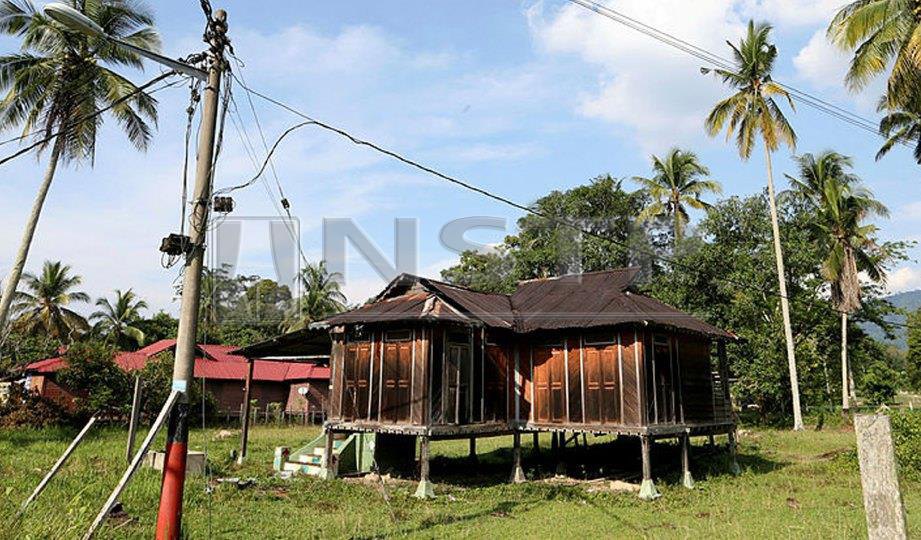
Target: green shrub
{"points": [[157, 380], [24, 408], [879, 384], [906, 434], [99, 385]]}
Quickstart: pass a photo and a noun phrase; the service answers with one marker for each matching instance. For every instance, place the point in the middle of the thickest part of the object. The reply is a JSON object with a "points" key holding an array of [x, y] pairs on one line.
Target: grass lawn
{"points": [[792, 485]]}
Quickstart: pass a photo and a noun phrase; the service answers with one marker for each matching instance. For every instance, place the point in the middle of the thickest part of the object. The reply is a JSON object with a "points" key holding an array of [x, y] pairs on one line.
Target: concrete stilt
{"points": [[686, 479], [733, 451], [648, 490], [472, 454], [711, 440], [425, 490], [517, 472], [329, 465], [536, 442]]}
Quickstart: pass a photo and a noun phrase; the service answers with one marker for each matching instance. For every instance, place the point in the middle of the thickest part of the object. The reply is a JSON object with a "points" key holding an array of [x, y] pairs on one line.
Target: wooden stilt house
{"points": [[580, 353]]}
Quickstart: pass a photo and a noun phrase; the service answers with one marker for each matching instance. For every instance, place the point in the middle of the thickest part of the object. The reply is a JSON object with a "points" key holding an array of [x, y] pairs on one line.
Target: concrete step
{"points": [[309, 459]]}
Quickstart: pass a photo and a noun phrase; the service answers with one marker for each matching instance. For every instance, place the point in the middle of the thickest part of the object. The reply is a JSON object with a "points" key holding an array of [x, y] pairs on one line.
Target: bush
{"points": [[24, 408], [157, 377], [879, 384], [100, 386], [906, 435]]}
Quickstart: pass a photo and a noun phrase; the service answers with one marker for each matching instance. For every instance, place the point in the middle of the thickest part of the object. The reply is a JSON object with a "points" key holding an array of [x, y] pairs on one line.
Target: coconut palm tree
{"points": [[840, 206], [901, 124], [321, 297], [59, 79], [43, 307], [676, 184], [117, 320], [752, 113], [881, 33]]}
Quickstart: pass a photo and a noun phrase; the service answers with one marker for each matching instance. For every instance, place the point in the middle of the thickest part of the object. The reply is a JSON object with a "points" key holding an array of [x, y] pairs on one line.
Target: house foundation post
{"points": [[537, 443], [517, 472], [648, 490], [472, 454], [733, 451], [329, 464], [686, 479], [425, 489]]}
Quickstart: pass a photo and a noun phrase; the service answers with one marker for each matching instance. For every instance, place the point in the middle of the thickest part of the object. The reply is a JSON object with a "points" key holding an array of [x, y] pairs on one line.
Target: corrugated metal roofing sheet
{"points": [[575, 301], [219, 363]]}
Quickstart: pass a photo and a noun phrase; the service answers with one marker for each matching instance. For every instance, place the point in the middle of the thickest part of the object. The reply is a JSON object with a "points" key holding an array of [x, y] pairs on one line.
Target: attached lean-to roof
{"points": [[587, 300]]}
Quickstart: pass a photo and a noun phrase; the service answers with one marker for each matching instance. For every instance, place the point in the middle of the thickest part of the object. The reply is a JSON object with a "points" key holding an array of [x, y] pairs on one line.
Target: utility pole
{"points": [[169, 517]]}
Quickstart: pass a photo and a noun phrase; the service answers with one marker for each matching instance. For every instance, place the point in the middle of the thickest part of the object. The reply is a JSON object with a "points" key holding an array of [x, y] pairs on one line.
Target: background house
{"points": [[298, 384]]}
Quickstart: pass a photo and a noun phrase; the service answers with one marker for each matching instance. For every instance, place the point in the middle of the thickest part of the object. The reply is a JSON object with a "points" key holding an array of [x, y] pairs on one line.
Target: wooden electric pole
{"points": [[169, 516]]}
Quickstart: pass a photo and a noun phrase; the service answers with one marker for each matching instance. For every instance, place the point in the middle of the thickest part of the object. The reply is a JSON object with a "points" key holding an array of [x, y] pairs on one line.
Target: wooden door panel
{"points": [[591, 360], [610, 385]]}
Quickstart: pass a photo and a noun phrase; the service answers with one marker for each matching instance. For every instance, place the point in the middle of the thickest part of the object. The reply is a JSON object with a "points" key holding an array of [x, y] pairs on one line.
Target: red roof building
{"points": [[299, 386]]}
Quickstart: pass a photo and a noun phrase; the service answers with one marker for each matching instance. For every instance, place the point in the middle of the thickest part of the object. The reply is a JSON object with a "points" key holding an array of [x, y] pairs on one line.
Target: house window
{"points": [[358, 334], [398, 335], [660, 339], [599, 337]]}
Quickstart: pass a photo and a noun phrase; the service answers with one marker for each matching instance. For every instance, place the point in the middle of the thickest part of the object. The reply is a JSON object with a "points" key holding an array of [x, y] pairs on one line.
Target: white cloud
{"points": [[906, 278], [654, 90], [793, 12]]}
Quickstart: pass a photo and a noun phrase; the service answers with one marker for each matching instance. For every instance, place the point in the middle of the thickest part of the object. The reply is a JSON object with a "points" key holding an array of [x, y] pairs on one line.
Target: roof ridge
{"points": [[574, 274]]}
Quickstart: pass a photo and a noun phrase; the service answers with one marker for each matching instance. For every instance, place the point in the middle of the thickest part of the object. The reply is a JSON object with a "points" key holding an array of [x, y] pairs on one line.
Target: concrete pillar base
{"points": [[425, 490], [518, 476], [734, 467], [648, 491], [687, 480]]}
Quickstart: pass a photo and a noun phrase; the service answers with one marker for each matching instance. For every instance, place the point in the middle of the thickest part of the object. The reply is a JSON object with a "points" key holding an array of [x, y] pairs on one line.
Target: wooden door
{"points": [[356, 380], [602, 389], [396, 378], [457, 383], [549, 383]]}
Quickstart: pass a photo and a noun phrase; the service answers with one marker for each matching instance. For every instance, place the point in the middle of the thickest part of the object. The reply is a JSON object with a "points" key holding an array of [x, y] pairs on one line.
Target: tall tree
{"points": [[59, 79], [119, 321], [321, 296], [881, 33], [677, 183], [749, 113], [43, 307], [840, 207], [902, 124]]}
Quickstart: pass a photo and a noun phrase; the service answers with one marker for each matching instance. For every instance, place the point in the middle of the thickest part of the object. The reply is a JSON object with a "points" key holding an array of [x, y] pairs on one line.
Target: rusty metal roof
{"points": [[574, 301]]}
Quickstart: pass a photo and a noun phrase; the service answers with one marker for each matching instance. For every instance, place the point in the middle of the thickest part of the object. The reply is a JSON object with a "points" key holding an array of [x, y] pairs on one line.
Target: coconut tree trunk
{"points": [[12, 279], [784, 302], [845, 379]]}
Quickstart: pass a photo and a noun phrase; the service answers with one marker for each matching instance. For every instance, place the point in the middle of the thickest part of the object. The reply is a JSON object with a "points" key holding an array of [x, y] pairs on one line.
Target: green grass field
{"points": [[792, 485]]}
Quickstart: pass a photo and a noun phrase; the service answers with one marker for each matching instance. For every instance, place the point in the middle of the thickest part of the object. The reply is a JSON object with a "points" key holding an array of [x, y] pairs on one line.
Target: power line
{"points": [[99, 112], [500, 198], [723, 63]]}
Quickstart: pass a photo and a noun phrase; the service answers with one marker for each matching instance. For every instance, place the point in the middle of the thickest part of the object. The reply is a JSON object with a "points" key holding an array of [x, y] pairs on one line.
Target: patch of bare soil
{"points": [[594, 485]]}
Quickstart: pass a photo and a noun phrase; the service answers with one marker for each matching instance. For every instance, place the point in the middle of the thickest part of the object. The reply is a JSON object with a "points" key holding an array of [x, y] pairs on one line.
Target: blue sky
{"points": [[520, 98]]}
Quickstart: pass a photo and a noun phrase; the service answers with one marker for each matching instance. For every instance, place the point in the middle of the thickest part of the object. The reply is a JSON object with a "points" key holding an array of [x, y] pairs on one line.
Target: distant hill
{"points": [[910, 301]]}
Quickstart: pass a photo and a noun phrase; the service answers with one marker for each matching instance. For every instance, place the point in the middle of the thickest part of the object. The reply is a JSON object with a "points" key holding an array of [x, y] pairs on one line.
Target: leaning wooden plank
{"points": [[57, 466], [133, 466]]}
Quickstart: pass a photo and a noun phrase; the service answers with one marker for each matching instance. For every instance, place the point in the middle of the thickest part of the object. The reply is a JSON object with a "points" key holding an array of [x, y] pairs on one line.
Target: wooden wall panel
{"points": [[496, 387], [335, 362], [419, 390], [602, 384], [574, 380], [374, 404], [632, 359]]}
